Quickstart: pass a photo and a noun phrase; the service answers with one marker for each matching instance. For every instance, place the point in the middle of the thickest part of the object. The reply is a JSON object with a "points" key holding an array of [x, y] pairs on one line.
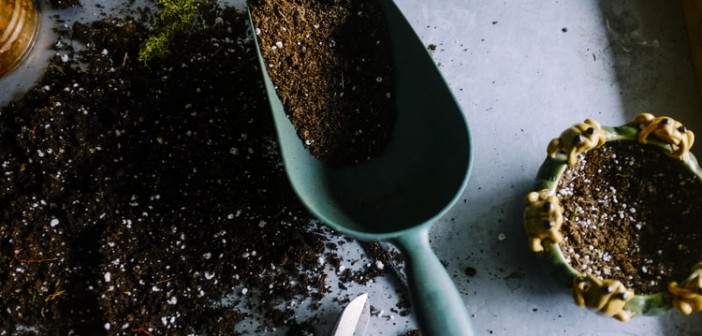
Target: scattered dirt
{"points": [[134, 198], [631, 214], [62, 4], [331, 64]]}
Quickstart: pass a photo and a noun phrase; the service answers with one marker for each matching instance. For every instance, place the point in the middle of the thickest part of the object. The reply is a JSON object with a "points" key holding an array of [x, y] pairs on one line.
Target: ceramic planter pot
{"points": [[545, 217]]}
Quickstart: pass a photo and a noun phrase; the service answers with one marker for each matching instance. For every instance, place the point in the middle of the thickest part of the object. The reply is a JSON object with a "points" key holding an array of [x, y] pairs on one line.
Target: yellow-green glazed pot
{"points": [[544, 217]]}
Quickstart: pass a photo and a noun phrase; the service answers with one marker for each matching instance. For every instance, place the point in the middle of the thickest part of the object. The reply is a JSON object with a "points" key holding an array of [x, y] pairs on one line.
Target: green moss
{"points": [[175, 17], [155, 47]]}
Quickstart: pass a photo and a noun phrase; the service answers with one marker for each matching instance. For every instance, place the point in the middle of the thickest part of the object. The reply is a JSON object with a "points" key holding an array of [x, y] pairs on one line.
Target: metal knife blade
{"points": [[354, 319]]}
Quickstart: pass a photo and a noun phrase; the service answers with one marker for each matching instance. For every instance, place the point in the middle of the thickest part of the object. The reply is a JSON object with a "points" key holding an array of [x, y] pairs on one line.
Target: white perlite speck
{"points": [[108, 277], [54, 222], [379, 265]]}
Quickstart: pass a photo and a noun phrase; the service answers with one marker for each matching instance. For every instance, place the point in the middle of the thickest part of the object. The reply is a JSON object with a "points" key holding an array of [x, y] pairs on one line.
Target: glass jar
{"points": [[19, 25]]}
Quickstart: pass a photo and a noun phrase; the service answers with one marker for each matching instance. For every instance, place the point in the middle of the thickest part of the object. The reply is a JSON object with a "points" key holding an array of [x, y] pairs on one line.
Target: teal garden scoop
{"points": [[396, 197]]}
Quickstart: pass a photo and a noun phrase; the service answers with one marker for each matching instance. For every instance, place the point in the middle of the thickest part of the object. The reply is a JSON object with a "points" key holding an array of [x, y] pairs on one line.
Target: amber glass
{"points": [[19, 23]]}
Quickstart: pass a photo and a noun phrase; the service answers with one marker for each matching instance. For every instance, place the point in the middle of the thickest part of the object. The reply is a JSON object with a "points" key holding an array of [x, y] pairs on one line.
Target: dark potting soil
{"points": [[331, 64], [134, 198], [631, 213]]}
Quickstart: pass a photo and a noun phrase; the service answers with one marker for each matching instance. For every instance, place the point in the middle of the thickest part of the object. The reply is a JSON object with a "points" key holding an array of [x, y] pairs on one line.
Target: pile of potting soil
{"points": [[136, 196]]}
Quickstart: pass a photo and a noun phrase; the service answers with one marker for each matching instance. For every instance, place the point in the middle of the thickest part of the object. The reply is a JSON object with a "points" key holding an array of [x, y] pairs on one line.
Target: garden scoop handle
{"points": [[436, 302]]}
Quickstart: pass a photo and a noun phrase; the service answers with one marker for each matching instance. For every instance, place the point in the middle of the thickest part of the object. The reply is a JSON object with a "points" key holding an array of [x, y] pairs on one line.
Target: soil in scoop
{"points": [[331, 64], [134, 198], [632, 214]]}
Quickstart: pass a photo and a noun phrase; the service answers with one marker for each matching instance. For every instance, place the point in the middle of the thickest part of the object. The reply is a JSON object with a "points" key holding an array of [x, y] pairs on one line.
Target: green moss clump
{"points": [[175, 16]]}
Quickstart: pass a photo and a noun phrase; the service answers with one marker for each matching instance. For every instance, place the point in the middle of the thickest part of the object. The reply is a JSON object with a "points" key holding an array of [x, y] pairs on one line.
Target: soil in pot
{"points": [[331, 64], [631, 213], [135, 197]]}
